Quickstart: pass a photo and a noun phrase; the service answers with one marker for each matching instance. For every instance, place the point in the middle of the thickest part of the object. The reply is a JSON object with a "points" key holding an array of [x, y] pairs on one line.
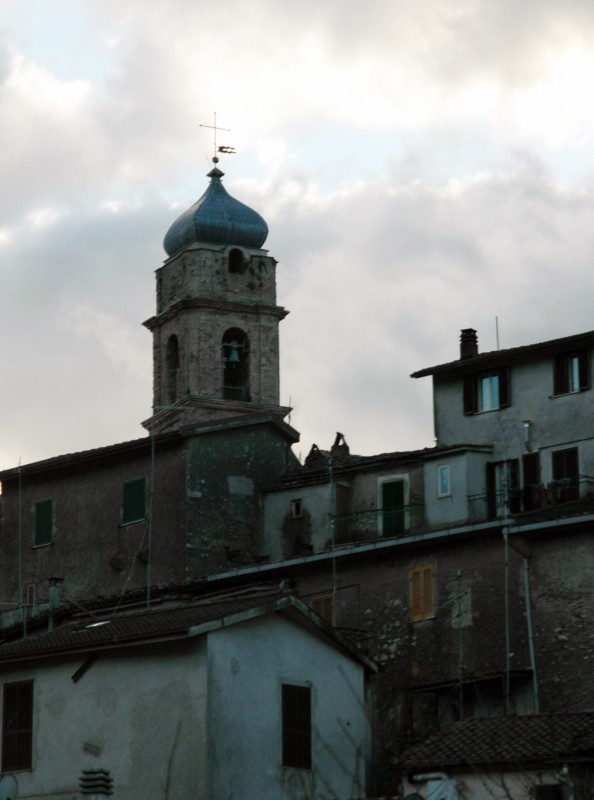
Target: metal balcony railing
{"points": [[561, 496], [359, 526]]}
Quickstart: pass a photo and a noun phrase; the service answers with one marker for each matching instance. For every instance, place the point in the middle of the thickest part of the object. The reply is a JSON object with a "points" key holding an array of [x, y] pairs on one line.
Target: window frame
{"points": [[472, 393], [43, 525], [22, 731], [422, 596], [131, 504], [571, 372], [296, 726], [444, 469]]}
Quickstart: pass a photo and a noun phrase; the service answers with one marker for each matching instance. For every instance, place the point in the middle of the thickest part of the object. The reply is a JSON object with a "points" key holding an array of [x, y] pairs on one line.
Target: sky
{"points": [[423, 167]]}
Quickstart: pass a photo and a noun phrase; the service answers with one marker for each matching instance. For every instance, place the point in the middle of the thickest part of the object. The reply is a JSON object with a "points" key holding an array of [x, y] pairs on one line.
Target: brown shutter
{"points": [[469, 394], [504, 393], [584, 369]]}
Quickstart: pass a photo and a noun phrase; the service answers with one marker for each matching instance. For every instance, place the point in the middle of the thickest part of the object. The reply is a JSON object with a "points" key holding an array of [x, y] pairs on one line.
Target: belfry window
{"points": [[235, 260], [172, 367], [235, 363]]}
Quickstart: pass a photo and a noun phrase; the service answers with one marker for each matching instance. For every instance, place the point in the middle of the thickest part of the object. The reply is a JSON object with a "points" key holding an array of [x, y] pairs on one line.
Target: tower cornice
{"points": [[255, 309]]}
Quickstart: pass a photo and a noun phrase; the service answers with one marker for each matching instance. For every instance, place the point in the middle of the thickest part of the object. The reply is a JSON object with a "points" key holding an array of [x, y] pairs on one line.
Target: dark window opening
{"points": [[44, 522], [235, 357], [296, 509], [134, 501], [296, 725], [551, 791], [487, 391], [172, 367], [571, 372], [566, 476], [235, 260], [393, 513], [530, 481], [17, 726]]}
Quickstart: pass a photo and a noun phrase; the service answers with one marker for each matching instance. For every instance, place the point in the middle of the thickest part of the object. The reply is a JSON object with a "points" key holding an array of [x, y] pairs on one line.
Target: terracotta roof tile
{"points": [[510, 740]]}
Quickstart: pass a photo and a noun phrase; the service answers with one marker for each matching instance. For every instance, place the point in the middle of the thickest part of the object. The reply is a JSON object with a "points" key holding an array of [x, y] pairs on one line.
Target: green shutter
{"points": [[134, 503], [44, 522], [393, 508]]}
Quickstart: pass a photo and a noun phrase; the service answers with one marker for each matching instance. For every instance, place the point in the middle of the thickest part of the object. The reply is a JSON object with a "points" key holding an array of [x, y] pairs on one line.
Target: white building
{"points": [[232, 698]]}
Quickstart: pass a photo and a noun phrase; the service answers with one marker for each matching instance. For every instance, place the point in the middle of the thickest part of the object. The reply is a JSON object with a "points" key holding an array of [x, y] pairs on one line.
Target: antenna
{"points": [[497, 331], [221, 148]]}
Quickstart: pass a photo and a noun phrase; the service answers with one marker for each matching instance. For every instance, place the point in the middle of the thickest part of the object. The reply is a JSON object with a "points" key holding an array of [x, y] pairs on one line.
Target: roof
{"points": [[496, 357], [107, 633], [121, 449], [510, 741], [316, 470], [218, 218]]}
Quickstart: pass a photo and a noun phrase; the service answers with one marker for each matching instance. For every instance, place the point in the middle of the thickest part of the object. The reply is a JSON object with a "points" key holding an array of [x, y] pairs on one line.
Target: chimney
{"points": [[468, 343]]}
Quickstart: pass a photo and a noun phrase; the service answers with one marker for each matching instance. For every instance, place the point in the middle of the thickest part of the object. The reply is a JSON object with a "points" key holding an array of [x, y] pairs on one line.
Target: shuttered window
{"points": [[571, 372], [323, 605], [486, 391], [422, 593], [44, 522], [296, 726], [134, 500], [17, 726]]}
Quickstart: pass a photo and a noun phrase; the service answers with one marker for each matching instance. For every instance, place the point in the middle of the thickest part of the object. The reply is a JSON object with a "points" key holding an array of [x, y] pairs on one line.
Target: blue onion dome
{"points": [[217, 218]]}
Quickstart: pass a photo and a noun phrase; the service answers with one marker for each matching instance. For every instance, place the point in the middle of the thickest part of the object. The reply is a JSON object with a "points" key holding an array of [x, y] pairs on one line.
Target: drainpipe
{"points": [[506, 611], [531, 637]]}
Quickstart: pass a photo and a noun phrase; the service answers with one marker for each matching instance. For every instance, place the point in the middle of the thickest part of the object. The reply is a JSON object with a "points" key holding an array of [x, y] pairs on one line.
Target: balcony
{"points": [[362, 526], [555, 499]]}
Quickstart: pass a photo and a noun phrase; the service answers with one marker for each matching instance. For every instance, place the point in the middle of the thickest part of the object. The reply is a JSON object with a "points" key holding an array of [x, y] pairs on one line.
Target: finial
{"points": [[222, 148]]}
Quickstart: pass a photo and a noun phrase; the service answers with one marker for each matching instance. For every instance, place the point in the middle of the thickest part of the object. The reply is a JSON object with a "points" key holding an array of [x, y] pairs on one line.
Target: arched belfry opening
{"points": [[235, 260], [235, 365], [172, 367]]}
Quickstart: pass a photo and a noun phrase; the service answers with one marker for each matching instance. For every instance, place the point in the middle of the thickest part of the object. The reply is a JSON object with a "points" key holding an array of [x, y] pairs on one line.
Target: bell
{"points": [[234, 354]]}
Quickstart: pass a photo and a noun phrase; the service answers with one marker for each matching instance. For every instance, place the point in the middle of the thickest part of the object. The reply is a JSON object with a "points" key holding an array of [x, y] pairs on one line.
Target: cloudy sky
{"points": [[422, 166]]}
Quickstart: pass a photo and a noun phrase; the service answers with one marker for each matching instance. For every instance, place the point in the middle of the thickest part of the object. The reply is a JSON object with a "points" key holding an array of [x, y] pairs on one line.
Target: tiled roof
{"points": [[484, 360], [97, 632], [512, 740]]}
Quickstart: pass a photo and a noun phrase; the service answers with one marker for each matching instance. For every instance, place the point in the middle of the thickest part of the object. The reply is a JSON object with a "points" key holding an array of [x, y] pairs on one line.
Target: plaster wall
{"points": [[247, 667], [361, 522], [555, 421], [467, 478], [140, 714], [92, 549]]}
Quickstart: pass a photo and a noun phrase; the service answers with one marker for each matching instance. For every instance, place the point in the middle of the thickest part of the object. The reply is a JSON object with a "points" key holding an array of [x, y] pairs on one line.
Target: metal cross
{"points": [[216, 128]]}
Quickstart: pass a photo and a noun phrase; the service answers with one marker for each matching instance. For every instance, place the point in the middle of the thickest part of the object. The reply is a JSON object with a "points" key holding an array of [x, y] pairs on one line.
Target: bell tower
{"points": [[215, 333]]}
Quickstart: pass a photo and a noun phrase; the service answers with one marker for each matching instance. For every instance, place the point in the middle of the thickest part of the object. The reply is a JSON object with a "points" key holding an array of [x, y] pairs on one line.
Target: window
{"points": [[503, 488], [44, 522], [566, 475], [443, 480], [548, 791], [235, 260], [172, 366], [422, 593], [486, 391], [134, 501], [30, 595], [393, 512], [296, 509], [571, 372], [296, 725], [17, 726], [323, 605]]}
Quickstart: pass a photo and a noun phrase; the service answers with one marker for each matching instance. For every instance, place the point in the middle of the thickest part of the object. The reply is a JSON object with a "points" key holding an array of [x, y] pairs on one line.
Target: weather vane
{"points": [[221, 148]]}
